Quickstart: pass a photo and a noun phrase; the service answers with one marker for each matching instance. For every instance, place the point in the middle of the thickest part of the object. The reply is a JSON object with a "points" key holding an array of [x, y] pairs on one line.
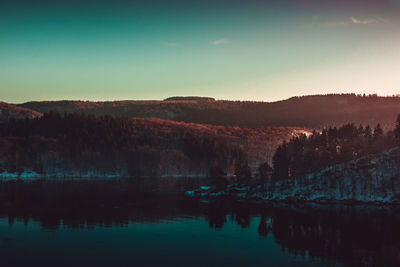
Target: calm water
{"points": [[156, 230]]}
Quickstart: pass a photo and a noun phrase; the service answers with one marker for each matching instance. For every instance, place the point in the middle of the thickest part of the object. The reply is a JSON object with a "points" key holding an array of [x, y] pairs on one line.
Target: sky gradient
{"points": [[241, 50]]}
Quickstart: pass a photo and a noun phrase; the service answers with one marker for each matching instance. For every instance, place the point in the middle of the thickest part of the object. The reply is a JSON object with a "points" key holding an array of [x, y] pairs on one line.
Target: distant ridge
{"points": [[313, 112], [8, 111], [189, 98]]}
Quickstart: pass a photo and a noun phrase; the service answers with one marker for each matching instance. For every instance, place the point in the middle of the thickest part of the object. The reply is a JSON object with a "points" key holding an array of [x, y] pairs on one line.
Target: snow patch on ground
{"points": [[59, 174], [374, 178], [27, 175]]}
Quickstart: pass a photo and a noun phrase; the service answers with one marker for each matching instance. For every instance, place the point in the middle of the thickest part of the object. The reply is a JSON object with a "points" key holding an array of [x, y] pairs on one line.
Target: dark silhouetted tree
{"points": [[242, 170], [265, 172], [281, 162], [397, 129], [217, 177]]}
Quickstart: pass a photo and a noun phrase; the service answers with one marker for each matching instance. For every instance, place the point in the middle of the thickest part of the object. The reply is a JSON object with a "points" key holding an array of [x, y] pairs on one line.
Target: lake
{"points": [[162, 230]]}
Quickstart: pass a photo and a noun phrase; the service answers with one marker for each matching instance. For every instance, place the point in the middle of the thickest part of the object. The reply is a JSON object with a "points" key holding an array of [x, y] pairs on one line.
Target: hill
{"points": [[189, 98], [86, 145], [313, 112], [8, 111], [373, 178]]}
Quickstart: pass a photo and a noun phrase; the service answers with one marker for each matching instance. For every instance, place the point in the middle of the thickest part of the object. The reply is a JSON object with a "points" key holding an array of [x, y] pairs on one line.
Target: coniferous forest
{"points": [[303, 155], [76, 143], [107, 145]]}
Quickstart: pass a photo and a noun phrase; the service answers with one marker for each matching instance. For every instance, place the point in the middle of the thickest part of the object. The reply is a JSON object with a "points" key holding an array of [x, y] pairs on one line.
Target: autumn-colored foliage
{"points": [[134, 147]]}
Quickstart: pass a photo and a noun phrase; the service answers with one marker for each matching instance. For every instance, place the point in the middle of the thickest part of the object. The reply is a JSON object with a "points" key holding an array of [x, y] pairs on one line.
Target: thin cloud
{"points": [[219, 42], [363, 22], [351, 20], [333, 23], [380, 19]]}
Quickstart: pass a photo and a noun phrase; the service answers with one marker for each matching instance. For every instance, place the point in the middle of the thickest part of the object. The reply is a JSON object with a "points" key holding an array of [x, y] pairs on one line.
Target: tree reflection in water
{"points": [[355, 235]]}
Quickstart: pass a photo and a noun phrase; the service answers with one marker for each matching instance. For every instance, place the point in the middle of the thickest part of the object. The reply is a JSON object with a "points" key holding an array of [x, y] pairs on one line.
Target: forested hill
{"points": [[80, 145], [373, 178], [316, 111], [13, 111]]}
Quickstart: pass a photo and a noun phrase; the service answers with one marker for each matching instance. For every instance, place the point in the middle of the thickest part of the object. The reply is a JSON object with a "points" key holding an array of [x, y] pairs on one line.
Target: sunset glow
{"points": [[247, 50]]}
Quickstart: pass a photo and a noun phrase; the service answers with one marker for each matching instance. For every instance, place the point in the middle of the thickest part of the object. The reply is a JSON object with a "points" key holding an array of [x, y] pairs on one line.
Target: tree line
{"points": [[303, 155], [135, 147], [146, 147], [333, 110]]}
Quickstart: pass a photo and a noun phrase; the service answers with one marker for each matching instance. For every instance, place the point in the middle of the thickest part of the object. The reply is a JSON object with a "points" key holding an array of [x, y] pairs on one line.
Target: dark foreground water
{"points": [[160, 230]]}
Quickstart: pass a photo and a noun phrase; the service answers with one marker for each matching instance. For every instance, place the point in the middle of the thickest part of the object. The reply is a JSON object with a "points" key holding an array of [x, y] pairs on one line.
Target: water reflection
{"points": [[354, 235]]}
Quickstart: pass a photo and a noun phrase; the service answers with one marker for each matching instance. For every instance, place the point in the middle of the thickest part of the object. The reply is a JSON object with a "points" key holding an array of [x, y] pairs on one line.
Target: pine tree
{"points": [[218, 177], [378, 132], [264, 171], [281, 162], [397, 129], [242, 170]]}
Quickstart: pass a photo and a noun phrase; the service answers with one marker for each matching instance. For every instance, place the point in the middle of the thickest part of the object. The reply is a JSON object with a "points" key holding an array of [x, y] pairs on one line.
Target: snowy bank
{"points": [[374, 178]]}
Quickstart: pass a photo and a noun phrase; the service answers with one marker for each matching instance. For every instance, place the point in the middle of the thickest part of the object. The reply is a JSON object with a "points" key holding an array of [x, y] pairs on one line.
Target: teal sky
{"points": [[247, 50]]}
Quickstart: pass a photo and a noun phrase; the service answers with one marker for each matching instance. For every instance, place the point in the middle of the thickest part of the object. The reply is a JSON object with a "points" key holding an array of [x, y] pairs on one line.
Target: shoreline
{"points": [[240, 194]]}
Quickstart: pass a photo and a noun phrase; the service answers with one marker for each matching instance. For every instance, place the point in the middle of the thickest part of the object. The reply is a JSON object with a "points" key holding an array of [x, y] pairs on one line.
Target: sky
{"points": [[227, 49]]}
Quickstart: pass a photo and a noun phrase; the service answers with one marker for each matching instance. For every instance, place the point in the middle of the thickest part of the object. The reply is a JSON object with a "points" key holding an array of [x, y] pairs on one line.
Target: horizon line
{"points": [[184, 96]]}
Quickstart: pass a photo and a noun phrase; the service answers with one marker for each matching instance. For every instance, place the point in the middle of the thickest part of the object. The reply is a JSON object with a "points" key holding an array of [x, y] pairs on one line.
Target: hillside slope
{"points": [[80, 145], [8, 111], [312, 112], [375, 178]]}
